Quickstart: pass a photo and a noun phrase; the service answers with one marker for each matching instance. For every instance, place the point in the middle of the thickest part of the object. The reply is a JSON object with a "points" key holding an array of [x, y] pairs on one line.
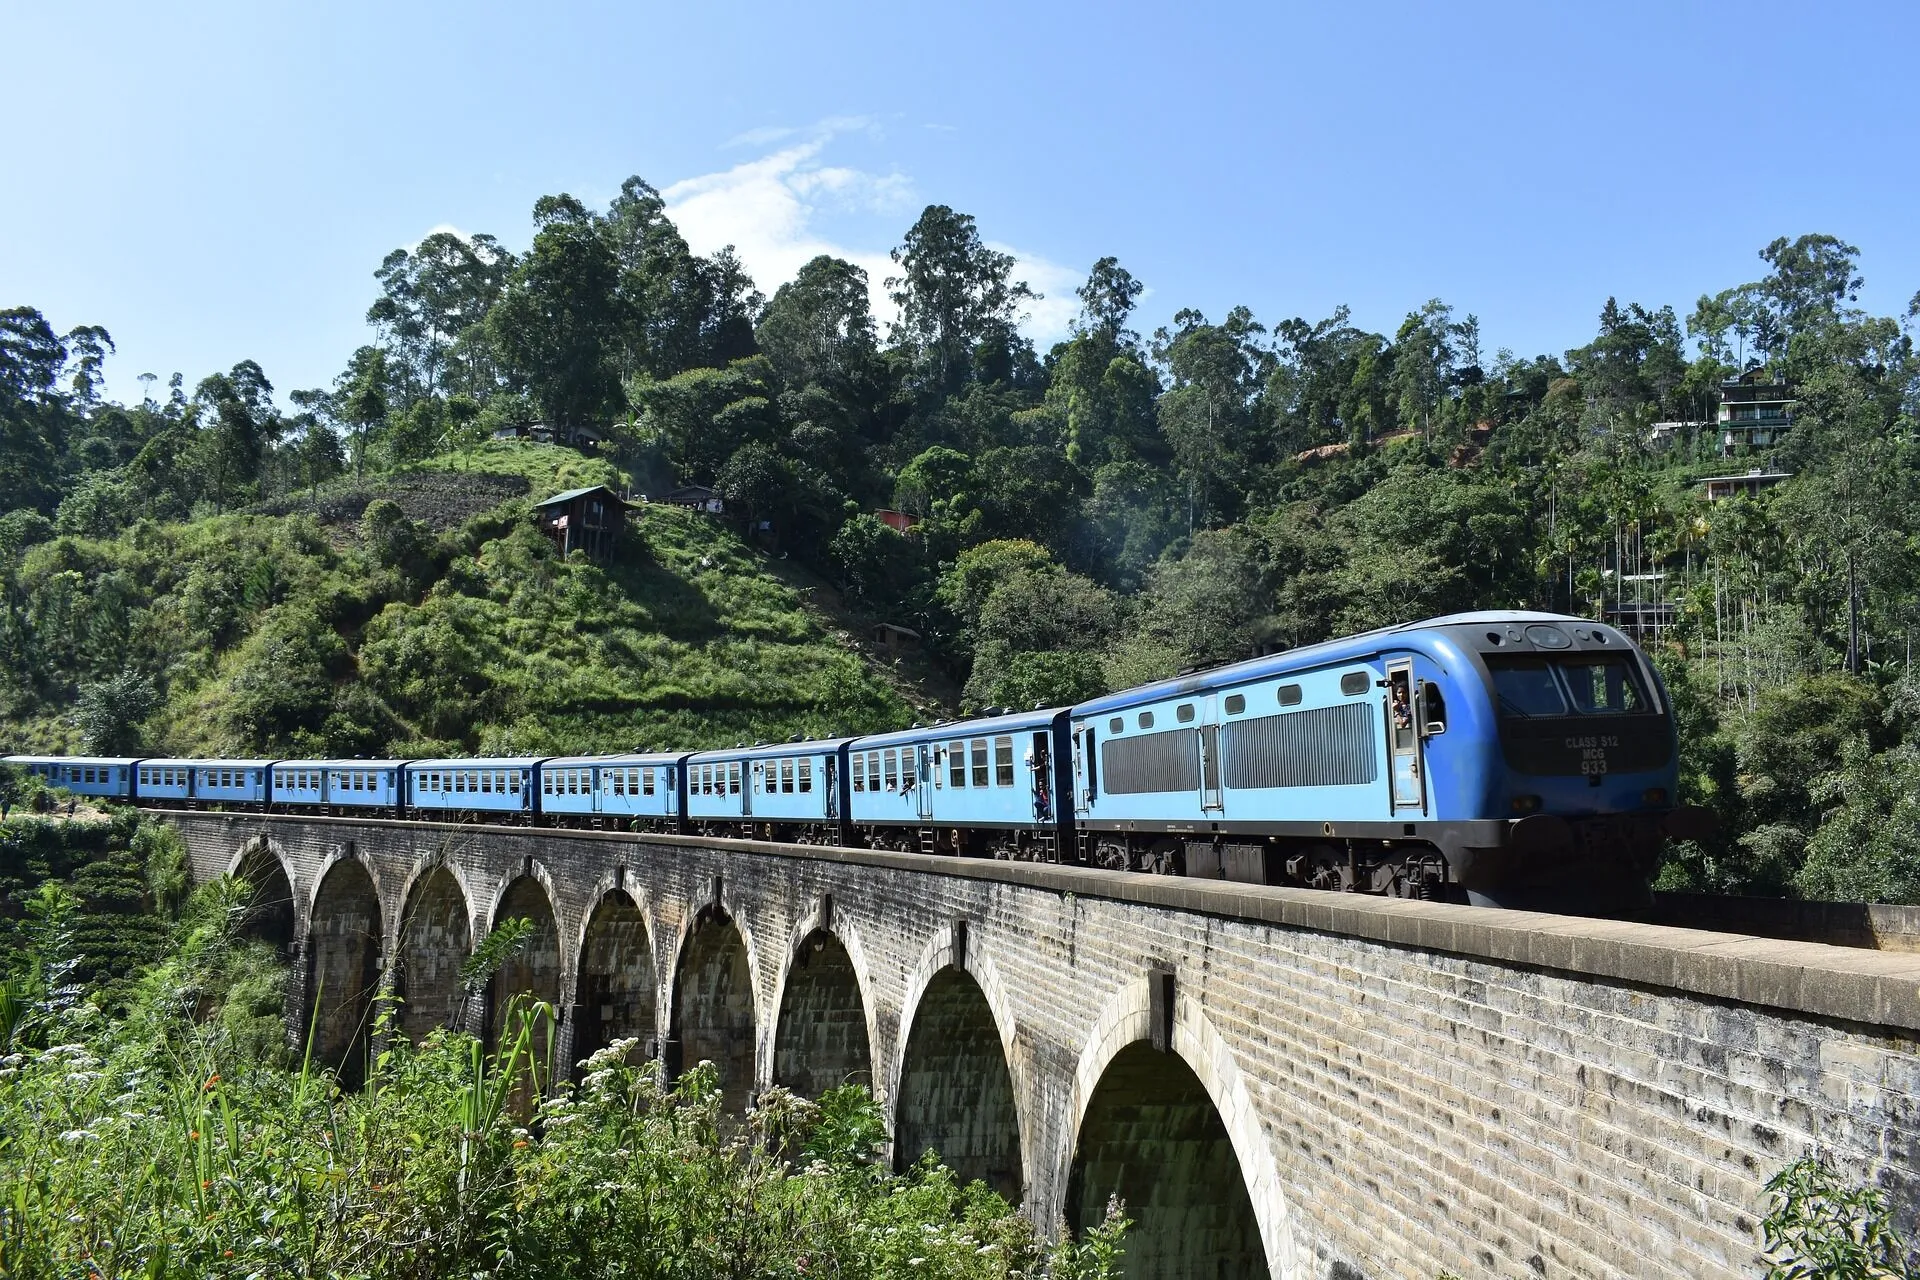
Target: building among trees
{"points": [[589, 520]]}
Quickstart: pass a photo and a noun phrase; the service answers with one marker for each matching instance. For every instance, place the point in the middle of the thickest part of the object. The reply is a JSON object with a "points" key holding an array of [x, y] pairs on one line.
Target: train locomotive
{"points": [[1501, 758]]}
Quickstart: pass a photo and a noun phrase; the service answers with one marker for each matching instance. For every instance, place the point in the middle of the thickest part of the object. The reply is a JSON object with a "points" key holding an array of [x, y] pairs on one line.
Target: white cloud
{"points": [[769, 208]]}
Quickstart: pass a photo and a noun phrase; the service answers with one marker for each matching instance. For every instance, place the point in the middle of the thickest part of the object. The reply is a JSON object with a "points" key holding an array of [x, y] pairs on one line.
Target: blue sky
{"points": [[218, 182]]}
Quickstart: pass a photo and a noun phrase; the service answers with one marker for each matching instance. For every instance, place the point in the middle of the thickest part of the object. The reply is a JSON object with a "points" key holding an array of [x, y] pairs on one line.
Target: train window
{"points": [[513, 782], [1003, 762], [486, 783], [1184, 713], [1433, 709], [859, 771], [890, 760], [806, 775], [1146, 719], [957, 763], [1290, 695], [1354, 683], [646, 781], [873, 770], [733, 778], [979, 762], [1116, 725], [546, 782], [1236, 703]]}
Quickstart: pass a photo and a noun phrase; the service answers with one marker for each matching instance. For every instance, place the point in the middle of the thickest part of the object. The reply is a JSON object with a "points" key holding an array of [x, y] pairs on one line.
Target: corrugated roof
{"points": [[571, 494]]}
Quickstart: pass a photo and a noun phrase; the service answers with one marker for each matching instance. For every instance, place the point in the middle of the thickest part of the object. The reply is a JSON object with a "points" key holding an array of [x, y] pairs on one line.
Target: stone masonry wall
{"points": [[1408, 1088]]}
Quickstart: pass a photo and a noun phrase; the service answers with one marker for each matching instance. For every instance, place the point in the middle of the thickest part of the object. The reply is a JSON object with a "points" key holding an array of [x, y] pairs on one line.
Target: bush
{"points": [[452, 1161]]}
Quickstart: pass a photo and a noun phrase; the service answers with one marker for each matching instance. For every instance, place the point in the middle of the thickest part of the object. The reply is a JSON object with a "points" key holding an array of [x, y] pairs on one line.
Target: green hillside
{"points": [[424, 612]]}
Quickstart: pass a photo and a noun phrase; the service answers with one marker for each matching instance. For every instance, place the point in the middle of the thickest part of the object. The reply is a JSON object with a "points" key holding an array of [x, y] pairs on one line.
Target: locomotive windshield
{"points": [[1569, 684]]}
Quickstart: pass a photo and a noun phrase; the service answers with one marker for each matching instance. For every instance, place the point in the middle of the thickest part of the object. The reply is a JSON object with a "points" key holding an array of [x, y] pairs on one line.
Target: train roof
{"points": [[339, 764], [636, 758], [772, 750], [185, 763], [111, 760], [1010, 723], [478, 762], [1327, 652]]}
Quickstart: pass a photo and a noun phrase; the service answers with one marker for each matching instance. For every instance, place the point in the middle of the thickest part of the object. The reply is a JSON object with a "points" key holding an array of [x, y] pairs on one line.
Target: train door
{"points": [[1210, 797], [751, 772], [1403, 740], [1083, 776], [1040, 765], [601, 778], [923, 780]]}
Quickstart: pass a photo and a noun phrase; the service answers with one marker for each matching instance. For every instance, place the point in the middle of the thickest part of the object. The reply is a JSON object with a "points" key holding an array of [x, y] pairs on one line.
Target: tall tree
{"points": [[239, 425], [558, 324], [958, 299], [1207, 416], [433, 296], [819, 328]]}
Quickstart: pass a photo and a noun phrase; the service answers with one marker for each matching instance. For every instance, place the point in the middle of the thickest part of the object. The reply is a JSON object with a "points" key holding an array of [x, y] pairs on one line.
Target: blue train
{"points": [[1507, 758]]}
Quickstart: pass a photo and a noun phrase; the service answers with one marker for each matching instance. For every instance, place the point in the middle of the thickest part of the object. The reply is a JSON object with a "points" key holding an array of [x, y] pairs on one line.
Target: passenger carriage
{"points": [[162, 781], [496, 787], [338, 784], [990, 787], [205, 783], [107, 777], [792, 791], [638, 792]]}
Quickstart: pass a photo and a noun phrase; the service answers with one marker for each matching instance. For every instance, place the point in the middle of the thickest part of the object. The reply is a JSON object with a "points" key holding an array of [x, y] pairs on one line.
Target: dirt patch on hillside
{"points": [[439, 500]]}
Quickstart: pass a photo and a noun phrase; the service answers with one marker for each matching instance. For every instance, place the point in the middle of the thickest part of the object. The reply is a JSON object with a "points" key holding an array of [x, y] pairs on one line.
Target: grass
{"points": [[273, 634]]}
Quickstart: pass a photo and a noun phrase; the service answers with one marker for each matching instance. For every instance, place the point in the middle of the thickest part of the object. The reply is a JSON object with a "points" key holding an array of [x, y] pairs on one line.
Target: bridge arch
{"points": [[714, 1014], [345, 932], [433, 937], [1176, 1135], [958, 1087], [275, 913], [536, 971], [616, 992], [823, 1032]]}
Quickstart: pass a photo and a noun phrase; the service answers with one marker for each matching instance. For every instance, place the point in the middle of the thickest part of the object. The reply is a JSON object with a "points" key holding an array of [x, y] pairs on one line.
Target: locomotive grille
{"points": [[1325, 747], [1167, 761]]}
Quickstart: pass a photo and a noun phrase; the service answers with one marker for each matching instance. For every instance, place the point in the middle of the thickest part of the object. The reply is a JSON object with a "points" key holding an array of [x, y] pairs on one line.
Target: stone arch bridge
{"points": [[1277, 1082]]}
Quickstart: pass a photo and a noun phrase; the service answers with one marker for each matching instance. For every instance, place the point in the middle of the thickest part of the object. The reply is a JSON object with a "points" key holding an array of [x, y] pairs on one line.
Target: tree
{"points": [[1106, 300], [33, 415], [109, 713], [819, 328], [239, 425], [1207, 416], [957, 297], [362, 399], [433, 296], [558, 322], [1813, 277], [676, 311], [1424, 363]]}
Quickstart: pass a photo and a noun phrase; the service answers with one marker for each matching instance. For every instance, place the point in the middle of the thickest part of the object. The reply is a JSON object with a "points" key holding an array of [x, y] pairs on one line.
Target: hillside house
{"points": [[1755, 412], [589, 520]]}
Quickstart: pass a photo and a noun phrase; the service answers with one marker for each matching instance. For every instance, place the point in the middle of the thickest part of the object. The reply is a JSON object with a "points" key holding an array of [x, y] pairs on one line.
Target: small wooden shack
{"points": [[588, 520]]}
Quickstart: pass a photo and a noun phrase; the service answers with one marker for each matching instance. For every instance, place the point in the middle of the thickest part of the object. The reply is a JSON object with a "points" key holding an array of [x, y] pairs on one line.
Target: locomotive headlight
{"points": [[1653, 796], [1525, 804]]}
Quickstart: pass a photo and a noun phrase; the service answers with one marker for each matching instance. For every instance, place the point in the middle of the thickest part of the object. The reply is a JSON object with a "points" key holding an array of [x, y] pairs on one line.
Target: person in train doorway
{"points": [[1042, 802], [1402, 711]]}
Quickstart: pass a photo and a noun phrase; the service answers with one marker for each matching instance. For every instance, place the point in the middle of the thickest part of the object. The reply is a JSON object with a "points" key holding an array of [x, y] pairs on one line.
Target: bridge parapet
{"points": [[1279, 1082]]}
